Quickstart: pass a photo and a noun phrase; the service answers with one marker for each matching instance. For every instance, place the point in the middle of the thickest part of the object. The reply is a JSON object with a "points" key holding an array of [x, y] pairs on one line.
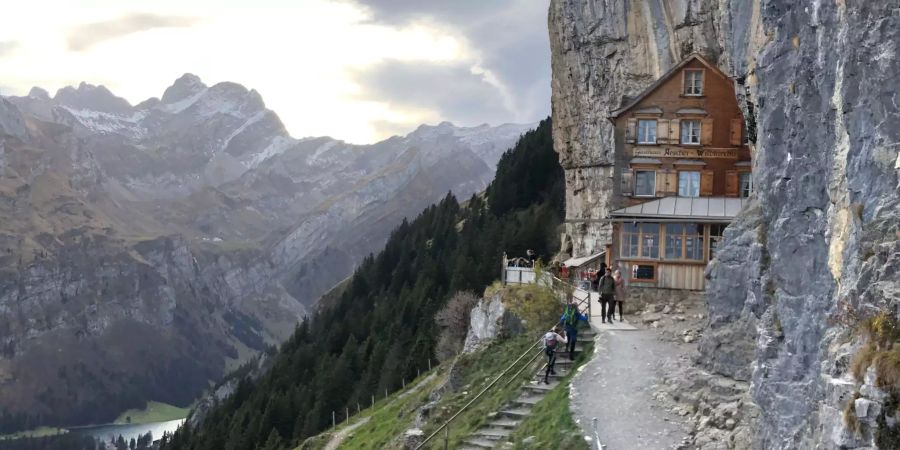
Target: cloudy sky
{"points": [[358, 70]]}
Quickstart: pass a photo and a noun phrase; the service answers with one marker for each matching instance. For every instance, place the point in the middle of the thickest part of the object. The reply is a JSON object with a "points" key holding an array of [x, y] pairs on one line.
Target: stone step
{"points": [[505, 423], [540, 387], [479, 442], [516, 413], [553, 376], [493, 434], [559, 369], [529, 399]]}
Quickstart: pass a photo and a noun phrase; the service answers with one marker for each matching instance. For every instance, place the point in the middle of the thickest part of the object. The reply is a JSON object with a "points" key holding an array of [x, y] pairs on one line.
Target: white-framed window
{"points": [[645, 183], [693, 82], [746, 184], [646, 131], [688, 184], [690, 132]]}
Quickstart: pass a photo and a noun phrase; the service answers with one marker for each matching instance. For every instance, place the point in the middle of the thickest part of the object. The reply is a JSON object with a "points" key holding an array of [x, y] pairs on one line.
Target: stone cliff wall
{"points": [[820, 246]]}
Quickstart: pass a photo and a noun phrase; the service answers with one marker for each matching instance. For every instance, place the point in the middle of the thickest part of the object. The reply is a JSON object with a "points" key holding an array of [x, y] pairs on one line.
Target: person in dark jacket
{"points": [[607, 289], [569, 319]]}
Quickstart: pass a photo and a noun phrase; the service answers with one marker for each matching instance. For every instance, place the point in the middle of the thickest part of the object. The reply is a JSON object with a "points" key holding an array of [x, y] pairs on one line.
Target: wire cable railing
{"points": [[446, 425]]}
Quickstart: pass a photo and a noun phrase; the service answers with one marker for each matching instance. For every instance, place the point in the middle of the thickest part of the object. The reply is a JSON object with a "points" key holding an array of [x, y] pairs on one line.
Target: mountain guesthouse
{"points": [[685, 172]]}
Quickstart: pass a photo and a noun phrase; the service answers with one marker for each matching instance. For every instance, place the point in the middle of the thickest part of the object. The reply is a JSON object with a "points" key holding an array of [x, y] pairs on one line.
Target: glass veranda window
{"points": [[645, 183], [674, 240], [650, 240], [690, 132], [684, 241], [640, 240], [689, 184], [715, 236], [646, 131]]}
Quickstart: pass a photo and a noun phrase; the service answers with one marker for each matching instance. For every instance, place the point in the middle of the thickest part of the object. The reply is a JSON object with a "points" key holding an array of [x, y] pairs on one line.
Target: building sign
{"points": [[681, 152]]}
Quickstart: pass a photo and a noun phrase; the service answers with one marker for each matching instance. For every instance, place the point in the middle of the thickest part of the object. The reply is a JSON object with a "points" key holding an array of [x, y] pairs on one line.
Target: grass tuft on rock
{"points": [[887, 369], [850, 418], [862, 360]]}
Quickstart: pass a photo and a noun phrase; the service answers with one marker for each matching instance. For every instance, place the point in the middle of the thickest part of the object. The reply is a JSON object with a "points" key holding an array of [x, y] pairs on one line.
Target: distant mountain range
{"points": [[146, 249]]}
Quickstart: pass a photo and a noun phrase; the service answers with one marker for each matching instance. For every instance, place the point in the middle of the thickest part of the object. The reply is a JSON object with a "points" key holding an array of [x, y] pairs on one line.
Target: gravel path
{"points": [[617, 388], [338, 438]]}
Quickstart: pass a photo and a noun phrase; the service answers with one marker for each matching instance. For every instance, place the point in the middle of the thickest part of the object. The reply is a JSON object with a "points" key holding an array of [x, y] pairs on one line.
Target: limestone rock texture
{"points": [[819, 248]]}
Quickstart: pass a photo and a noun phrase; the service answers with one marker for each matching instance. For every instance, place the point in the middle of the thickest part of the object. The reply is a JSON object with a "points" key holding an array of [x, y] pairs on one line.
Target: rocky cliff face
{"points": [[819, 248], [145, 249]]}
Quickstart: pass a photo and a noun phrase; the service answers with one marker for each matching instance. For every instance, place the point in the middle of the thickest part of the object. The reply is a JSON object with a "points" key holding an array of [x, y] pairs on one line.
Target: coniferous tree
{"points": [[381, 328]]}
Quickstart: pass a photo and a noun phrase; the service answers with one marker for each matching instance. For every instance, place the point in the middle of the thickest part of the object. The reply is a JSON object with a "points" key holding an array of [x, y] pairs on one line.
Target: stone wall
{"points": [[820, 247], [643, 298]]}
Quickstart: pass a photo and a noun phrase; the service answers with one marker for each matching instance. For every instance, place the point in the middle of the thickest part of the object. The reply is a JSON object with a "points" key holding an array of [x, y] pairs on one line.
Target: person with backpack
{"points": [[607, 288], [569, 319], [552, 341]]}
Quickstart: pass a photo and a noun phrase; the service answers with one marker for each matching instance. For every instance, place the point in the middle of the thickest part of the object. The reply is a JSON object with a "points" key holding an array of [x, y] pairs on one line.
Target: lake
{"points": [[128, 431]]}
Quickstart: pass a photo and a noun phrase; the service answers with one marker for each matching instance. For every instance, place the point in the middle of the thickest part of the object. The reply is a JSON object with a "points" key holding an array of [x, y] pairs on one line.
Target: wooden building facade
{"points": [[684, 172]]}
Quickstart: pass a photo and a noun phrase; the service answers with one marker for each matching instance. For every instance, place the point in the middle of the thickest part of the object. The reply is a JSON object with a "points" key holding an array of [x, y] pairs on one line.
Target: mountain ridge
{"points": [[190, 225]]}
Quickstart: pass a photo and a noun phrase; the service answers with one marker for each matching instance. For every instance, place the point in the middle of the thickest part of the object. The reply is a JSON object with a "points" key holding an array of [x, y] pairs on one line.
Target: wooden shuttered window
{"points": [[732, 183], [661, 180], [627, 182], [706, 183], [737, 131], [631, 131], [706, 131], [666, 182], [662, 131], [675, 131], [671, 177]]}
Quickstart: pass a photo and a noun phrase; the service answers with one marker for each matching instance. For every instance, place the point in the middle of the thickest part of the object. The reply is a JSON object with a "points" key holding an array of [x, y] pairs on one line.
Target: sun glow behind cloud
{"points": [[304, 57]]}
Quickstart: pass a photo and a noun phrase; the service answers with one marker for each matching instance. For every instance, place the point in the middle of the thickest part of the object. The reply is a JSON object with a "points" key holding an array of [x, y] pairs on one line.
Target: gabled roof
{"points": [[656, 84], [699, 209]]}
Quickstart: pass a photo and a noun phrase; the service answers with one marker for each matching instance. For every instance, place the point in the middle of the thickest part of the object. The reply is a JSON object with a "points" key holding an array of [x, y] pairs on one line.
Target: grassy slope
{"points": [[478, 370], [154, 412], [551, 424]]}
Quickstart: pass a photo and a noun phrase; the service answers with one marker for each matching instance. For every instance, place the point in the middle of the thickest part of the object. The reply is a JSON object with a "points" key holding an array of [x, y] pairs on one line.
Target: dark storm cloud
{"points": [[452, 89], [86, 36], [510, 35], [7, 47]]}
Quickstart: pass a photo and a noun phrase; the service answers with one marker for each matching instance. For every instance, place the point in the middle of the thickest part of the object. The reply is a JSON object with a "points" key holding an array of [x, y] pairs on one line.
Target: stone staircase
{"points": [[500, 425]]}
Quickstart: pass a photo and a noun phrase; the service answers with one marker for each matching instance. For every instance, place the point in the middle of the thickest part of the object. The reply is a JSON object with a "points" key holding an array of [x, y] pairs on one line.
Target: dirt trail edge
{"points": [[338, 438]]}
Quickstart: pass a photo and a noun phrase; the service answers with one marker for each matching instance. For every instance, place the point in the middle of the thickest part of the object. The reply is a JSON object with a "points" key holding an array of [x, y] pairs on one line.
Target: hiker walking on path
{"points": [[607, 288], [552, 340], [619, 294], [569, 319]]}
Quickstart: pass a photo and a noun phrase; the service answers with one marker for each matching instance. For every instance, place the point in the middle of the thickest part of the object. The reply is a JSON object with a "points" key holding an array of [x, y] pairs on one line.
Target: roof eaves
{"points": [[664, 77]]}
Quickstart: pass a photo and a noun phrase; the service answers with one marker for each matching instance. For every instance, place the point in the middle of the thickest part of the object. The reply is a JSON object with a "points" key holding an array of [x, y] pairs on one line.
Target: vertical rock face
{"points": [[604, 52], [821, 244]]}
